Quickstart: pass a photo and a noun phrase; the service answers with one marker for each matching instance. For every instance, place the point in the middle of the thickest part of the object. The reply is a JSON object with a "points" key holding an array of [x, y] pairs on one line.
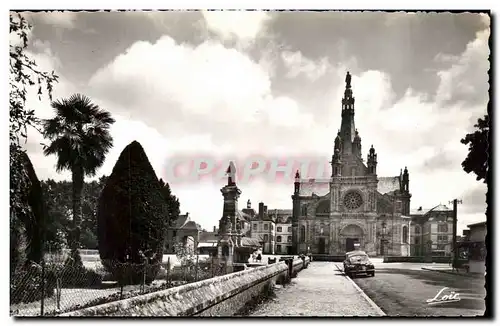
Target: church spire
{"points": [[347, 128]]}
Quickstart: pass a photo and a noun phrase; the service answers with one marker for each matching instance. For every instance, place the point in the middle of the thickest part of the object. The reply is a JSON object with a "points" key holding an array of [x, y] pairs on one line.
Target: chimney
{"points": [[215, 229], [420, 208], [265, 209], [261, 210]]}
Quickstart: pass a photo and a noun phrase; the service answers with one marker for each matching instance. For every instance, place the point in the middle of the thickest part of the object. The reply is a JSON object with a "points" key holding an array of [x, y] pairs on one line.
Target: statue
{"points": [[338, 142], [231, 174], [348, 80]]}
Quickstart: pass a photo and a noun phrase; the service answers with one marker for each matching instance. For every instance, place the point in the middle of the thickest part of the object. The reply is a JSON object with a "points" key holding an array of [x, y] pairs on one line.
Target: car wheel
{"points": [[372, 274]]}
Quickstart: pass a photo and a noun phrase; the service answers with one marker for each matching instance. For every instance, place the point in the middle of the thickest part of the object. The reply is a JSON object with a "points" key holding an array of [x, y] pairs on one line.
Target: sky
{"points": [[238, 84]]}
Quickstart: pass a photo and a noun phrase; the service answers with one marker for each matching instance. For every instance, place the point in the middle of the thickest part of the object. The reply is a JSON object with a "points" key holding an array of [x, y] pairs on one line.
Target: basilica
{"points": [[355, 208]]}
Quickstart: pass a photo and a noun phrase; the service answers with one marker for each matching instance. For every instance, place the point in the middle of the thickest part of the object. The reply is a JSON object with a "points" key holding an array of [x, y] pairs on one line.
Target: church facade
{"points": [[355, 208]]}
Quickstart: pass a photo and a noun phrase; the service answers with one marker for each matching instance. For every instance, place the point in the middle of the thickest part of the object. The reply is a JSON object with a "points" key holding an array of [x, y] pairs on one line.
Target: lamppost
{"points": [[454, 238]]}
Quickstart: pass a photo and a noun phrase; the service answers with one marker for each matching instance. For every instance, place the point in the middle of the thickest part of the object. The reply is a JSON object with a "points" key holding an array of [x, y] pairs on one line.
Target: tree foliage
{"points": [[80, 138], [478, 141], [35, 222], [23, 76], [172, 203], [131, 218], [57, 196]]}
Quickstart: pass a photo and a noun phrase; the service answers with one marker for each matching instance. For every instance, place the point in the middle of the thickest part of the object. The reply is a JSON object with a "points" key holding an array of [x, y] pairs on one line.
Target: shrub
{"points": [[35, 226], [73, 274], [80, 278], [27, 225], [26, 284], [132, 217]]}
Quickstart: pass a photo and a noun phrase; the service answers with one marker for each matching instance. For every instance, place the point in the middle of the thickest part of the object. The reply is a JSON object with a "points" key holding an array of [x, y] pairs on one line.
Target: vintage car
{"points": [[358, 263], [350, 253]]}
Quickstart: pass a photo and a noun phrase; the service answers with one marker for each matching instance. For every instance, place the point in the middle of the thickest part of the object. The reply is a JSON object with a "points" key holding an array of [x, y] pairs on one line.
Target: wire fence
{"points": [[56, 286]]}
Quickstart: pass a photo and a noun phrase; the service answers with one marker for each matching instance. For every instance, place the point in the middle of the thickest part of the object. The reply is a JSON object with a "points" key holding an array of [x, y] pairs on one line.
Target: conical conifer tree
{"points": [[132, 219]]}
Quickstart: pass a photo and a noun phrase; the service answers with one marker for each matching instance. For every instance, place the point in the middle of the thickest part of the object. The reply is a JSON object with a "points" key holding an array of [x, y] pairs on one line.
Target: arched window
{"points": [[405, 234], [302, 233], [417, 229]]}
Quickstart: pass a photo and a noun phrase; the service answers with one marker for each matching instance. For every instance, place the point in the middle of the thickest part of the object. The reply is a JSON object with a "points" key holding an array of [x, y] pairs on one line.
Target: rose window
{"points": [[353, 200]]}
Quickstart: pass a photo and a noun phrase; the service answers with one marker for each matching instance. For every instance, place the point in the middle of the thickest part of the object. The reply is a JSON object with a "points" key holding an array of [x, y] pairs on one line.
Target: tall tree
{"points": [[477, 158], [57, 196], [131, 218], [172, 203], [80, 138], [23, 76]]}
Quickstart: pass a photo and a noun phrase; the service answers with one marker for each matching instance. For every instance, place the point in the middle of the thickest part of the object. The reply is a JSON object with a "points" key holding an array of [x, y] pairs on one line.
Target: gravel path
{"points": [[320, 290]]}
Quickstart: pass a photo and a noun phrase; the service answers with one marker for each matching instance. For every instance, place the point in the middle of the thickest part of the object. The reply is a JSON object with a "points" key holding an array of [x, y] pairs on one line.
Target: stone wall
{"points": [[220, 296]]}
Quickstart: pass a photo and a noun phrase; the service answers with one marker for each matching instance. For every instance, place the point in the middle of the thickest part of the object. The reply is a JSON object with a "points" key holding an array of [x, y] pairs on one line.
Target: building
{"points": [[432, 231], [208, 242], [355, 206], [184, 231], [476, 247], [283, 219], [263, 229]]}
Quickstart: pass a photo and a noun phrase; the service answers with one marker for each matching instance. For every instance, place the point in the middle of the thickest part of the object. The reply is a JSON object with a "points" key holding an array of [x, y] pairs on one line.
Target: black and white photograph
{"points": [[250, 163]]}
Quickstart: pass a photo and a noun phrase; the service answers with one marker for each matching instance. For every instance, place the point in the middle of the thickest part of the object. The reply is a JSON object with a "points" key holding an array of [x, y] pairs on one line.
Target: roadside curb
{"points": [[363, 294], [451, 273]]}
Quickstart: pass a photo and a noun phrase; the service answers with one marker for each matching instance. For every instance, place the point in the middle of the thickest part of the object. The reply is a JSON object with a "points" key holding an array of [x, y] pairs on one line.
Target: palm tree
{"points": [[80, 138]]}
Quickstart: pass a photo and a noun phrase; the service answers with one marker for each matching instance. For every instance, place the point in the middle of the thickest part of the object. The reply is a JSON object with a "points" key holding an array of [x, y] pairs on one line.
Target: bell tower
{"points": [[347, 128]]}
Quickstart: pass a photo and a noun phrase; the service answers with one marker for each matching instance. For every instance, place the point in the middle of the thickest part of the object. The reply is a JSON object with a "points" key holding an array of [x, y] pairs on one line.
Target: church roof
{"points": [[388, 184], [310, 186]]}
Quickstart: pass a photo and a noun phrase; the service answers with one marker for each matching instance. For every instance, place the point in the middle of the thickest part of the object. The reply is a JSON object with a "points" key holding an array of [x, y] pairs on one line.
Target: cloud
{"points": [[474, 199], [281, 99], [61, 19], [466, 81], [206, 86], [56, 19], [297, 65], [46, 61], [243, 25]]}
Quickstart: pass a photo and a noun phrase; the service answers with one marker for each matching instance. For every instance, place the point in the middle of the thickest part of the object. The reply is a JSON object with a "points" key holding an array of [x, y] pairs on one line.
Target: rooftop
{"points": [[388, 184], [440, 208], [477, 224]]}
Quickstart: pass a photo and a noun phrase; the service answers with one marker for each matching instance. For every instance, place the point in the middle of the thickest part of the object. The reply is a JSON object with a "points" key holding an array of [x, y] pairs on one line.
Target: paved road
{"points": [[320, 290], [402, 290]]}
